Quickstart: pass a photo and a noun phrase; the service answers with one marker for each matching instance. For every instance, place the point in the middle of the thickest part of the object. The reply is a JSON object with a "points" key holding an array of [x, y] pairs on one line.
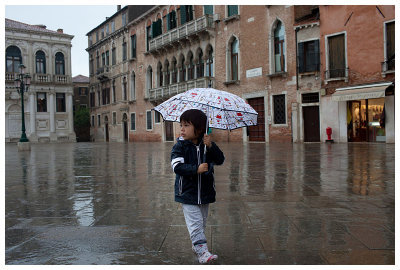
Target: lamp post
{"points": [[22, 83]]}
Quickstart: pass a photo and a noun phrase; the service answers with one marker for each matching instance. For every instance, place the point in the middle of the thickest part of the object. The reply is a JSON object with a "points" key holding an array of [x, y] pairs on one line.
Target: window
{"points": [[124, 92], [209, 63], [191, 68], [92, 99], [13, 59], [133, 46], [60, 102], [279, 47], [310, 98], [174, 71], [167, 75], [93, 123], [149, 78], [113, 91], [97, 36], [60, 64], [91, 67], [107, 30], [279, 109], [83, 91], [182, 77], [105, 95], [148, 35], [107, 58], [234, 59], [390, 48], [97, 60], [124, 51], [133, 121], [103, 59], [98, 121], [337, 56], [208, 9], [112, 27], [40, 62], [156, 28], [200, 66], [186, 14], [171, 20], [41, 102], [102, 33], [149, 121], [157, 117], [113, 56], [114, 118], [308, 56], [160, 75], [98, 98], [124, 19], [90, 39], [133, 86], [232, 10]]}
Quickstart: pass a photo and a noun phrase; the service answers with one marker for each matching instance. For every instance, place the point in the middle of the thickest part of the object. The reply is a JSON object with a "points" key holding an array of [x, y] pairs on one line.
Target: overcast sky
{"points": [[74, 20]]}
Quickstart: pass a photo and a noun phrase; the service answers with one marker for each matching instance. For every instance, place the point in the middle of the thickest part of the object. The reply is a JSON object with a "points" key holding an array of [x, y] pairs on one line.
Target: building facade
{"points": [[269, 55], [48, 103]]}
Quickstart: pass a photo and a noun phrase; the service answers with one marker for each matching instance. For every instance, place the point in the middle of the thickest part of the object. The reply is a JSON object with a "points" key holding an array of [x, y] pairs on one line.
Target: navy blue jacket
{"points": [[191, 187]]}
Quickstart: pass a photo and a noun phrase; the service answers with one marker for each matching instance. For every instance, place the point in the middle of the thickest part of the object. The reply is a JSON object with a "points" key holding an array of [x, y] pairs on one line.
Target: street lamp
{"points": [[22, 83]]}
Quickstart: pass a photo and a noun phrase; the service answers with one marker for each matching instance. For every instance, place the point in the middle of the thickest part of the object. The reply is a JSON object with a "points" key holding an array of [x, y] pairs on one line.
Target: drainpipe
{"points": [[297, 61]]}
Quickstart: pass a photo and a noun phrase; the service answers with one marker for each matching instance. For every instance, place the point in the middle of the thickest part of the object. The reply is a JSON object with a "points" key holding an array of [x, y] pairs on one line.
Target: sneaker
{"points": [[207, 257]]}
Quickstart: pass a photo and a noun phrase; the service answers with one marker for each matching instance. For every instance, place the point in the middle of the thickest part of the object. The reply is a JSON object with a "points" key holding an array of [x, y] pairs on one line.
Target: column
{"points": [[70, 110], [32, 110], [53, 135]]}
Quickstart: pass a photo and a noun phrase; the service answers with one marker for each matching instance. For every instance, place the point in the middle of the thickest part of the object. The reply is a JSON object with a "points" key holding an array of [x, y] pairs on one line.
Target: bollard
{"points": [[329, 133]]}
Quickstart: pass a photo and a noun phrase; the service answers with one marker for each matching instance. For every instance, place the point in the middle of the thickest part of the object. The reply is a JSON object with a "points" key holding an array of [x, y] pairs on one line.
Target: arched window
{"points": [[124, 92], [210, 62], [191, 67], [234, 59], [166, 68], [174, 71], [279, 47], [60, 64], [40, 62], [182, 77], [149, 78], [13, 59], [200, 65], [160, 75], [133, 86]]}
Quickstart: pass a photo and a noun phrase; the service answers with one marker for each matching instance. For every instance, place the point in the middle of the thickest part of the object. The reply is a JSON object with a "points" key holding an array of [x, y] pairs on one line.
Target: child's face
{"points": [[187, 131]]}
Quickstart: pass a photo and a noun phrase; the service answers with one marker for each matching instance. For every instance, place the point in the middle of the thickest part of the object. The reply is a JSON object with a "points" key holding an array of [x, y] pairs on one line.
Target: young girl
{"points": [[194, 183]]}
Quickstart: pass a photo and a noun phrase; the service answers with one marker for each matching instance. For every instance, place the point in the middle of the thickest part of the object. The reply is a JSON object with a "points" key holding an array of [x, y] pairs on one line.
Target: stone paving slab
{"points": [[286, 204]]}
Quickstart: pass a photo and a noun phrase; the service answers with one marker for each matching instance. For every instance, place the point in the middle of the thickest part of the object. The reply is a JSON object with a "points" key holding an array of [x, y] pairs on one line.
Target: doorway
{"points": [[125, 125], [311, 124], [257, 133], [169, 131], [106, 129]]}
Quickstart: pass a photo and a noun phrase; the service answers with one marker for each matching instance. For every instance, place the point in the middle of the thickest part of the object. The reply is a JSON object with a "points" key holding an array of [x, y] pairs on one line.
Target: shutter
{"points": [[189, 13], [390, 40], [316, 59], [301, 56], [232, 10], [336, 53], [168, 22], [183, 14], [153, 34], [208, 9]]}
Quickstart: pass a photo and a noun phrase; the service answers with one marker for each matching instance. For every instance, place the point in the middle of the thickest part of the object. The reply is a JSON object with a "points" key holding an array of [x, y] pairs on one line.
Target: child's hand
{"points": [[202, 168], [207, 140]]}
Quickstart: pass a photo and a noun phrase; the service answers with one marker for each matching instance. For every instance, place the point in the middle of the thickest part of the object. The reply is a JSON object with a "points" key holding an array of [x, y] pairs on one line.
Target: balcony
{"points": [[167, 91], [103, 73], [388, 67], [39, 78], [193, 27], [42, 78], [62, 79], [337, 75], [10, 76]]}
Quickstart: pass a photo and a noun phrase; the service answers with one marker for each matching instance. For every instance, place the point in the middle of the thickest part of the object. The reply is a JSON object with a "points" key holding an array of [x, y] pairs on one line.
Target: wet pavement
{"points": [[98, 203]]}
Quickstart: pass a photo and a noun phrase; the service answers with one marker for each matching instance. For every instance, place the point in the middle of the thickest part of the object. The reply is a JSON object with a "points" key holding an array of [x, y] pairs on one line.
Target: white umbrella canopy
{"points": [[224, 110]]}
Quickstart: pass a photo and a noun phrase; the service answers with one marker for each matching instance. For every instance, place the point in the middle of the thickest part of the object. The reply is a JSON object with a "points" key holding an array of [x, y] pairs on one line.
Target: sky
{"points": [[76, 20]]}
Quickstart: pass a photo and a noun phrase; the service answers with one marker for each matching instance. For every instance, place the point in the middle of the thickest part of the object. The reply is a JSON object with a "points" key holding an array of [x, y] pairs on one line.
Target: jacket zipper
{"points": [[198, 177]]}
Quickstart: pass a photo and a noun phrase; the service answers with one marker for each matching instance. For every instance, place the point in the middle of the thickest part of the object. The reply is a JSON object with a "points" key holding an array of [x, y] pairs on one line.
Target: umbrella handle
{"points": [[205, 147]]}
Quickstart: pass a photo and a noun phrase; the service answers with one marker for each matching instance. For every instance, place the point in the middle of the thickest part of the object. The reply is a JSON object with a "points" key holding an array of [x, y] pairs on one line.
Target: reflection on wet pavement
{"points": [[98, 203]]}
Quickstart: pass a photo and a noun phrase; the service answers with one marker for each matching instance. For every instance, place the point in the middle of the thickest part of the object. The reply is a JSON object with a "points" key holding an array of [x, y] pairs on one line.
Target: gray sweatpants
{"points": [[196, 218]]}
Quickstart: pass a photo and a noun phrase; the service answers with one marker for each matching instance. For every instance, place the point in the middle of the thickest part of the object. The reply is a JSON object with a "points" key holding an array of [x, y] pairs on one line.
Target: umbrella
{"points": [[224, 110]]}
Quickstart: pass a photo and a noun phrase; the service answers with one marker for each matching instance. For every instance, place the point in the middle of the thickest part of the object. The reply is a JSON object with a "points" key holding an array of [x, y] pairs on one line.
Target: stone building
{"points": [[269, 55], [81, 100], [48, 104]]}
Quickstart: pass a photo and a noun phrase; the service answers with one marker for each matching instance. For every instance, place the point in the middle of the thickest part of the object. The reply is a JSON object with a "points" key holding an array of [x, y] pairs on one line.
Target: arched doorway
{"points": [[106, 128], [125, 124]]}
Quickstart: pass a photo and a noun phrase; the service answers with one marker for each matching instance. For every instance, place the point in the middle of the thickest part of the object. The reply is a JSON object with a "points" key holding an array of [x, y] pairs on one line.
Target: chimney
{"points": [[118, 8], [59, 30]]}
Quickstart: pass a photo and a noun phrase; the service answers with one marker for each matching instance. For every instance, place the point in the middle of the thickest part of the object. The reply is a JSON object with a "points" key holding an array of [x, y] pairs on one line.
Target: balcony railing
{"points": [[10, 76], [62, 79], [103, 73], [43, 78], [165, 92], [190, 28], [337, 74]]}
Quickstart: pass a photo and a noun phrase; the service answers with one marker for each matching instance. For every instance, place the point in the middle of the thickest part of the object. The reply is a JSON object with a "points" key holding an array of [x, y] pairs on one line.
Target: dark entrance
{"points": [[125, 122], [169, 131], [311, 123], [106, 128], [257, 133]]}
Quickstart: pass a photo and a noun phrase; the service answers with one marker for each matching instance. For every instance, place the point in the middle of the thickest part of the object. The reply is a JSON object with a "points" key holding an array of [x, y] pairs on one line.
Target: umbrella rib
{"points": [[219, 107]]}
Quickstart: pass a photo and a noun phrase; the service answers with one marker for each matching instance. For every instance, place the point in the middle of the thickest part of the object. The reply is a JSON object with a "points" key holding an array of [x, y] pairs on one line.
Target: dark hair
{"points": [[198, 119]]}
